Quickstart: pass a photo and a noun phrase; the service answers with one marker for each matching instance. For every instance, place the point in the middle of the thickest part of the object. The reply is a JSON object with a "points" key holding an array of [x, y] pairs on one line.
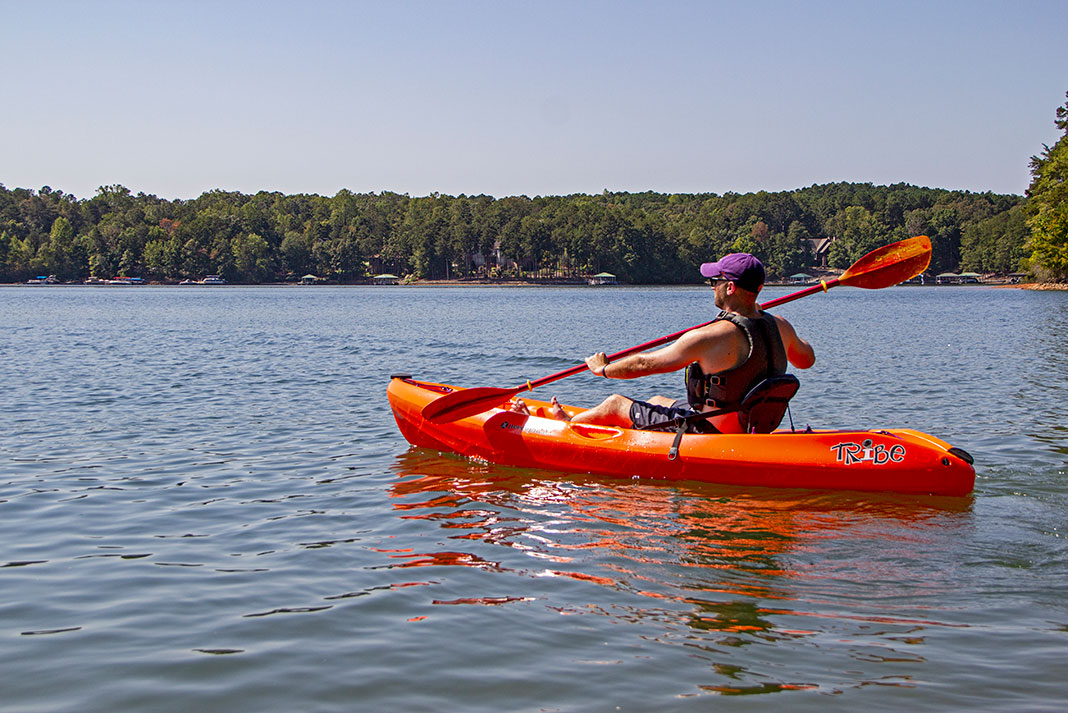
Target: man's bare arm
{"points": [[798, 351]]}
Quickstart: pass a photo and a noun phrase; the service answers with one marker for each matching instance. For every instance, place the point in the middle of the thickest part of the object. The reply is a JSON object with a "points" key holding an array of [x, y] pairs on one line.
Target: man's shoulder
{"points": [[731, 315], [721, 325], [719, 330]]}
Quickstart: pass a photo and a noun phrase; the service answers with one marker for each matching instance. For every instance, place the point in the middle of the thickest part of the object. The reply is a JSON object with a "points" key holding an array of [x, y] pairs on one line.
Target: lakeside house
{"points": [[385, 279], [819, 248], [308, 280]]}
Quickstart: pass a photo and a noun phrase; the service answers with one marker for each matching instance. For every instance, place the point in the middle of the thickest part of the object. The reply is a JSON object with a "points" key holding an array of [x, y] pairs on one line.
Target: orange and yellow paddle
{"points": [[887, 266]]}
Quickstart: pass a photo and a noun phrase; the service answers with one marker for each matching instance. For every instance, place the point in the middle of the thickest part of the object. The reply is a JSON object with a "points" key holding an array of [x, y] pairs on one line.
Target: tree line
{"points": [[1047, 206], [640, 237]]}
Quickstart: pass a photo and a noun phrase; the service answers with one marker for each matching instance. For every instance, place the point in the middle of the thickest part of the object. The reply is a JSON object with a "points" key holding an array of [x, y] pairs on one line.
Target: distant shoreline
{"points": [[1042, 286], [1038, 286], [294, 285]]}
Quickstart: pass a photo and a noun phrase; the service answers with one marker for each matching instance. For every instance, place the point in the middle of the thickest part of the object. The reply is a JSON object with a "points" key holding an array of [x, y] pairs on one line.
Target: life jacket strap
{"points": [[682, 423]]}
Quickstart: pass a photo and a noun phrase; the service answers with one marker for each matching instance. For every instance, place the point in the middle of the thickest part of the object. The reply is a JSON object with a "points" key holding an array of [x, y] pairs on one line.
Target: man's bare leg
{"points": [[613, 411]]}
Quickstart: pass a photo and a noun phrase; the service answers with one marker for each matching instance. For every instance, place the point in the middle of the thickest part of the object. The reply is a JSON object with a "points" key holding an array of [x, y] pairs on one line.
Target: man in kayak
{"points": [[723, 360]]}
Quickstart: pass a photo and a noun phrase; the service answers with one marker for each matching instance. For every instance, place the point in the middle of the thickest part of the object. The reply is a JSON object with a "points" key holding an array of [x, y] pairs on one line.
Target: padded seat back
{"points": [[762, 409]]}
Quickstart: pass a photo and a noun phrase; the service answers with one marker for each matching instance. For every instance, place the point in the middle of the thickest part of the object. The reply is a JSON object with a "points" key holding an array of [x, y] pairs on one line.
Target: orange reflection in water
{"points": [[746, 566], [622, 533]]}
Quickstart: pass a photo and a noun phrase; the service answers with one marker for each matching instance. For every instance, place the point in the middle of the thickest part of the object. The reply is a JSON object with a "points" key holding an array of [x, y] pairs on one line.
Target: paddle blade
{"points": [[889, 265], [467, 402]]}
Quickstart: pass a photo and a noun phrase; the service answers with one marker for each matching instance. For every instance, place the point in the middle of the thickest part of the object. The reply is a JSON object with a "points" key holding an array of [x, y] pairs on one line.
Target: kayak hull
{"points": [[885, 460]]}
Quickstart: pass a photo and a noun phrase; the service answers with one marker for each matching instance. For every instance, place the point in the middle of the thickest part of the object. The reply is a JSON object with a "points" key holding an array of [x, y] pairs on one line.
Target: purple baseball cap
{"points": [[742, 269]]}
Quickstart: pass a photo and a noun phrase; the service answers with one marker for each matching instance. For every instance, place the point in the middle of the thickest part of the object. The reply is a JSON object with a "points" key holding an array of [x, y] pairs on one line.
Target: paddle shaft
{"points": [[822, 287]]}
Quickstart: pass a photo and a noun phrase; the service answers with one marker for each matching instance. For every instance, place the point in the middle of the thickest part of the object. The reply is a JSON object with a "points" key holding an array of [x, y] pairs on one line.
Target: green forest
{"points": [[639, 237]]}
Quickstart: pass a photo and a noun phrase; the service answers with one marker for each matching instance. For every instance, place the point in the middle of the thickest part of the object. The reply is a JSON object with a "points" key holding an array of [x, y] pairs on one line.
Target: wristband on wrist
{"points": [[604, 371]]}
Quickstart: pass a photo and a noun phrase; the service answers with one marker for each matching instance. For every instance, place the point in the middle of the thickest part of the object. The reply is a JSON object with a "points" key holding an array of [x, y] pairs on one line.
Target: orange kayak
{"points": [[892, 460]]}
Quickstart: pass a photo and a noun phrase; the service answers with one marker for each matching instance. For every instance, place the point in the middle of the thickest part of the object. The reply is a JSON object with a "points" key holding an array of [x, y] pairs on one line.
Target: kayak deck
{"points": [[893, 460]]}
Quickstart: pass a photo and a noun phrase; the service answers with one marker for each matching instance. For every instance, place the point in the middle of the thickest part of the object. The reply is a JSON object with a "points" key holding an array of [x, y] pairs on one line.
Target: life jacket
{"points": [[725, 390]]}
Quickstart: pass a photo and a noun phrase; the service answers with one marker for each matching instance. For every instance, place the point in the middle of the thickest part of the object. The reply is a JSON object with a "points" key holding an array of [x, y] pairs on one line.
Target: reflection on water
{"points": [[721, 568]]}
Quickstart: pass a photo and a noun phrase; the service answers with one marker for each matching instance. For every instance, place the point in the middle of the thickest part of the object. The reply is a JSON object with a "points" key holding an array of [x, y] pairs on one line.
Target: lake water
{"points": [[206, 505]]}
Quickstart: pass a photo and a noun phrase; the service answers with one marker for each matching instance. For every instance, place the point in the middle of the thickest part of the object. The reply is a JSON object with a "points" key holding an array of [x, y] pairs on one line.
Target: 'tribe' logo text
{"points": [[868, 452]]}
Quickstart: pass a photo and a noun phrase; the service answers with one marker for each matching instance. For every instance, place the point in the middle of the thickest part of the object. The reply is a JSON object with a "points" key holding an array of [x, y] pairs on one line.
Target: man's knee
{"points": [[618, 404]]}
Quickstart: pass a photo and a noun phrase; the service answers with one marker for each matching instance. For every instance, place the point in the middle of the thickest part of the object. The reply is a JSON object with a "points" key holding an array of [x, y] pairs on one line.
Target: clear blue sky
{"points": [[534, 98]]}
